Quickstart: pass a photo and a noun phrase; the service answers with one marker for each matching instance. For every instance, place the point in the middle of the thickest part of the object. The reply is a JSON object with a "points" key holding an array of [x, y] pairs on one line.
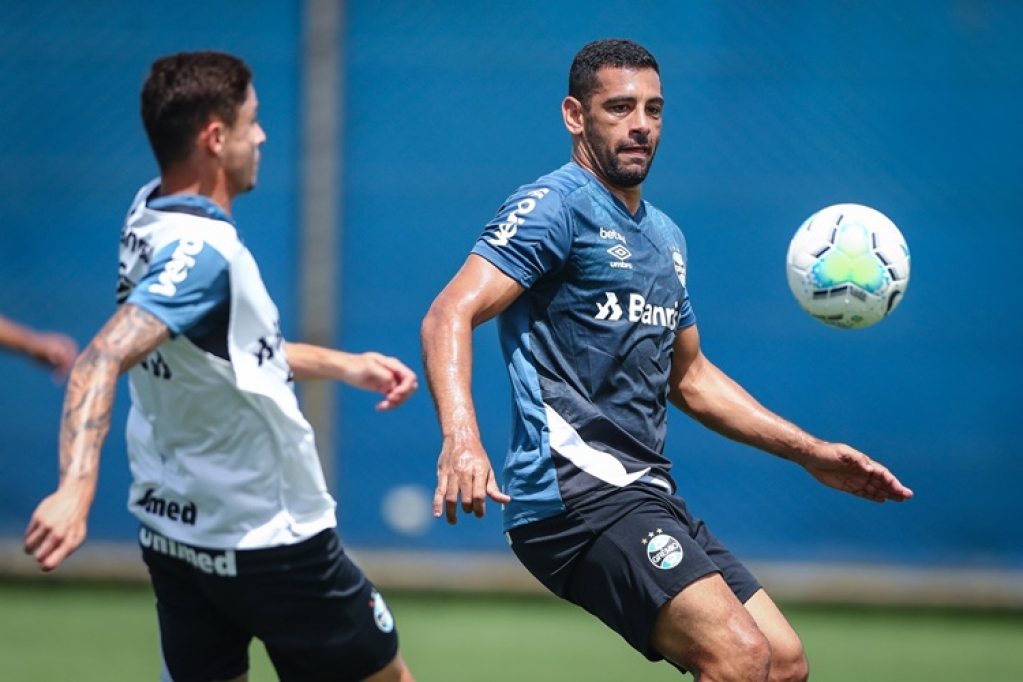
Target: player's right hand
{"points": [[465, 471], [57, 529]]}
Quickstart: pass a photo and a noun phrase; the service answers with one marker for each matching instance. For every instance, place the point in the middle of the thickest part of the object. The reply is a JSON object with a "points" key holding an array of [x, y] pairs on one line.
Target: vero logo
{"points": [[176, 270]]}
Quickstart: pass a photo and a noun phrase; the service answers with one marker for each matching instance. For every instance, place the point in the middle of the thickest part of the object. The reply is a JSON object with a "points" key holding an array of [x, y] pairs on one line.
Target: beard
{"points": [[609, 163]]}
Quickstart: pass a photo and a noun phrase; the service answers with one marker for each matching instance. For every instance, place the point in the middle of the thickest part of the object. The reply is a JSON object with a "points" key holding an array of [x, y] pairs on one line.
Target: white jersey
{"points": [[221, 456]]}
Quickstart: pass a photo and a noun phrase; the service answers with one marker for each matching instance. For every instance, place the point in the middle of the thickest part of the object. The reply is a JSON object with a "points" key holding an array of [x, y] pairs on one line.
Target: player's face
{"points": [[241, 147], [622, 124]]}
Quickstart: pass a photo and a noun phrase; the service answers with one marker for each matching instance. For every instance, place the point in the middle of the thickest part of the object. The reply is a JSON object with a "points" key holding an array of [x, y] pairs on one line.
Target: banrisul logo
{"points": [[609, 308], [662, 550], [639, 310], [504, 232]]}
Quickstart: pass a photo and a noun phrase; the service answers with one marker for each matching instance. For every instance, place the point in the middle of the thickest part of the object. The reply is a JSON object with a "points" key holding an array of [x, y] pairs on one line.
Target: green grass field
{"points": [[79, 633]]}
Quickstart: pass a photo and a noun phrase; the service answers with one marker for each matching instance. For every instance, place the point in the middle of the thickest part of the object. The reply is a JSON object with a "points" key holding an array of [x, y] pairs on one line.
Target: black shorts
{"points": [[624, 553], [313, 609]]}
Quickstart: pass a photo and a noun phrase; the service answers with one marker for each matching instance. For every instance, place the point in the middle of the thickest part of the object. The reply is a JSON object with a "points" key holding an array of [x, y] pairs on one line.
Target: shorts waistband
{"points": [[228, 563]]}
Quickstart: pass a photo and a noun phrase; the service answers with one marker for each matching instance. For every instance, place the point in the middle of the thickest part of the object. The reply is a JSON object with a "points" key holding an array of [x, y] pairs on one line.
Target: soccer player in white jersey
{"points": [[237, 527], [588, 283]]}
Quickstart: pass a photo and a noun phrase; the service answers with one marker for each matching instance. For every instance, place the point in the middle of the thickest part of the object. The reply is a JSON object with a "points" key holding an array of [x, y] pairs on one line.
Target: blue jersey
{"points": [[589, 344]]}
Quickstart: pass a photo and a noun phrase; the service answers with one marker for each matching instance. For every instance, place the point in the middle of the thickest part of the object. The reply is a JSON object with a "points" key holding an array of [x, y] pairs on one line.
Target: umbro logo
{"points": [[622, 254]]}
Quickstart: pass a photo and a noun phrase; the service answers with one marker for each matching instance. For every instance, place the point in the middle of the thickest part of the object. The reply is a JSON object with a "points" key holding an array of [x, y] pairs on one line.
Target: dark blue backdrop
{"points": [[773, 112]]}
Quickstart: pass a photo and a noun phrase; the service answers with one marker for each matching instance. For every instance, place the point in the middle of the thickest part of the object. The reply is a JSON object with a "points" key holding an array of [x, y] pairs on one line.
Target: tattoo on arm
{"points": [[127, 338]]}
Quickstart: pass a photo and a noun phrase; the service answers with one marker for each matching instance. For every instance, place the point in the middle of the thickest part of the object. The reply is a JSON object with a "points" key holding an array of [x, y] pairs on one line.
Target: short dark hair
{"points": [[182, 92], [617, 53]]}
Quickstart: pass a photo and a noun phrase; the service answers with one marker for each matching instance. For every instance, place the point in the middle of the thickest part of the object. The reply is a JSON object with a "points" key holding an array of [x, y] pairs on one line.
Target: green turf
{"points": [[61, 632]]}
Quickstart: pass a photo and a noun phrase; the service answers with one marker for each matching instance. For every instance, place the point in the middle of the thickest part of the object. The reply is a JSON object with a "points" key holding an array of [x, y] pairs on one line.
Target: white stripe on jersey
{"points": [[569, 444]]}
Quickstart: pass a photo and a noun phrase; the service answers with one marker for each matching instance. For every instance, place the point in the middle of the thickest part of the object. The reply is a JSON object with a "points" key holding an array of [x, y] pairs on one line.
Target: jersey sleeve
{"points": [[187, 279], [530, 236]]}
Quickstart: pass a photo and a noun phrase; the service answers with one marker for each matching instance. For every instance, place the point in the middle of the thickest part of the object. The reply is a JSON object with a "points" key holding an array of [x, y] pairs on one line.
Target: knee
{"points": [[744, 657], [754, 657]]}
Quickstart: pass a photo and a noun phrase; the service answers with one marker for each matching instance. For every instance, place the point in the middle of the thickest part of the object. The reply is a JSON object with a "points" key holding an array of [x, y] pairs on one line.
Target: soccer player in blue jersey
{"points": [[237, 526], [588, 284]]}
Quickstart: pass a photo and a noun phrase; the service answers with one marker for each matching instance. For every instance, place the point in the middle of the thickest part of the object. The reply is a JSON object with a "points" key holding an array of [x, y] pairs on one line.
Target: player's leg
{"points": [[788, 661], [705, 630], [320, 618], [396, 671], [633, 558], [197, 640]]}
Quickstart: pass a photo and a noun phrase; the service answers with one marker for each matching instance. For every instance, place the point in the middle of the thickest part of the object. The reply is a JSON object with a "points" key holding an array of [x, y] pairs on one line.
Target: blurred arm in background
{"points": [[50, 348]]}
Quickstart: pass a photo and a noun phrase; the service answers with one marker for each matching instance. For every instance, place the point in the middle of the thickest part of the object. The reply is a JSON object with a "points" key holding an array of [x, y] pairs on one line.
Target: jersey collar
{"points": [[193, 204]]}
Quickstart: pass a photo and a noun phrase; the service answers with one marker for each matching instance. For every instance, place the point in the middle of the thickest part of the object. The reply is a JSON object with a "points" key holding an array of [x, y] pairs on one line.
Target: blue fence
{"points": [[772, 113]]}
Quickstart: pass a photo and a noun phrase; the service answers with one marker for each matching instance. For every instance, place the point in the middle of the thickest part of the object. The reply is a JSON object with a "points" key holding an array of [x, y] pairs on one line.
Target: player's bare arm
{"points": [[704, 392], [58, 526], [50, 348], [369, 371], [477, 293]]}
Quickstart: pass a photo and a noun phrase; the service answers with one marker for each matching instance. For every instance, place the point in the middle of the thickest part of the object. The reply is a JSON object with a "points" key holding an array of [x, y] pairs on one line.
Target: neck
{"points": [[630, 196], [188, 181]]}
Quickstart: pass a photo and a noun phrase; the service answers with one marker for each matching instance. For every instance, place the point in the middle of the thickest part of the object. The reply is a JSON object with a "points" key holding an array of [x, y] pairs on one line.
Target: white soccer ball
{"points": [[848, 266]]}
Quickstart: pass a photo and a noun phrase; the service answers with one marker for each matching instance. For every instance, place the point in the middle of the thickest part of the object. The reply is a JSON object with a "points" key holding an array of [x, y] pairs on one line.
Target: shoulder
{"points": [[543, 199], [564, 183], [662, 222], [163, 229], [558, 186], [658, 216]]}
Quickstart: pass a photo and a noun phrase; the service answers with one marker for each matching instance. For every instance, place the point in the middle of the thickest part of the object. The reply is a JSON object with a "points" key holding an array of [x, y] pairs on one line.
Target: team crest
{"points": [[680, 266], [662, 550], [381, 614]]}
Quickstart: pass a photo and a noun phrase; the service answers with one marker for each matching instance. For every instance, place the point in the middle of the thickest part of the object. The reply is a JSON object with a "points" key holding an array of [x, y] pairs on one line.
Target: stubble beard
{"points": [[609, 164]]}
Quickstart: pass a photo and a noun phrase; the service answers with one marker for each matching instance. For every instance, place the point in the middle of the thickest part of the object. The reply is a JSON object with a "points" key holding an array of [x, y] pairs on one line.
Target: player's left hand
{"points": [[847, 469], [386, 375]]}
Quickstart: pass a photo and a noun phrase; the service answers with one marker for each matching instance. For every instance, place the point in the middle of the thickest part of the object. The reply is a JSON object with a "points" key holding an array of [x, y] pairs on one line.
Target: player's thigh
{"points": [[786, 648], [396, 671], [637, 564], [197, 639], [322, 619], [705, 627]]}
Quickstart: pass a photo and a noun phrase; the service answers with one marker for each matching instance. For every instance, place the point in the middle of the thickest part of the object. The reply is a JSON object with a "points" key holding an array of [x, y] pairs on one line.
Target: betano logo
{"points": [[506, 230], [639, 311]]}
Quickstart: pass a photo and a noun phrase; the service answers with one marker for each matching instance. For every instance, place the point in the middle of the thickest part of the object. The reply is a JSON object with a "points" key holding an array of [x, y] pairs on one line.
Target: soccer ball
{"points": [[848, 266]]}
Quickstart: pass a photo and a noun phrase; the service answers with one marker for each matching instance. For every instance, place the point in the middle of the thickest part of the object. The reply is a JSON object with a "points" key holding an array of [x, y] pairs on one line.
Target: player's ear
{"points": [[572, 112], [213, 136]]}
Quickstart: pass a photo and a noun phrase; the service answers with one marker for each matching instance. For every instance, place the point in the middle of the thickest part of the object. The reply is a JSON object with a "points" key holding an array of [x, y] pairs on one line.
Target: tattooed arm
{"points": [[58, 525]]}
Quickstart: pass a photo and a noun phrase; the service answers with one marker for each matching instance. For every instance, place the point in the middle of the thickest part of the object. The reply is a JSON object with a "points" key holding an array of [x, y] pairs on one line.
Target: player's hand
{"points": [[386, 375], [464, 470], [844, 468], [57, 529], [56, 350]]}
